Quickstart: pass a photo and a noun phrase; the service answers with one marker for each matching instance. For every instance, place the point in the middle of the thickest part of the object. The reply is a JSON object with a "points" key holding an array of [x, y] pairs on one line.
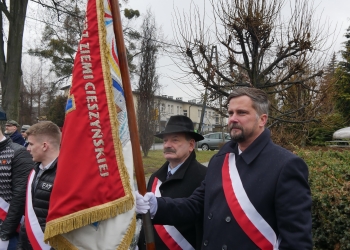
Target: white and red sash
{"points": [[34, 232], [171, 237], [4, 208], [244, 212]]}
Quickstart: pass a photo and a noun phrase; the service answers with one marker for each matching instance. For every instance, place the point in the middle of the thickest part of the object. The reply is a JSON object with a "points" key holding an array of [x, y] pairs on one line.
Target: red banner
{"points": [[92, 182]]}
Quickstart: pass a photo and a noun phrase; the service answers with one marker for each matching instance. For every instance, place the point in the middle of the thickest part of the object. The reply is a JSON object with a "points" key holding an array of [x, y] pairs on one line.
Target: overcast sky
{"points": [[335, 11]]}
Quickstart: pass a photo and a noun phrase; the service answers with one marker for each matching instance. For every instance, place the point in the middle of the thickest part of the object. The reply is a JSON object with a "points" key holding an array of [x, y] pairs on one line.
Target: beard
{"points": [[6, 132], [238, 137]]}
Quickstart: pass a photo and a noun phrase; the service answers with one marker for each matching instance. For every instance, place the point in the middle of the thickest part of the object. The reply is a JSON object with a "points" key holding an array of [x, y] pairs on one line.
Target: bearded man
{"points": [[255, 194]]}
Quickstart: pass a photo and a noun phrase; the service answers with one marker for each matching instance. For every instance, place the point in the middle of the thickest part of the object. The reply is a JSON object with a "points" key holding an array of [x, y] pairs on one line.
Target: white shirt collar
{"points": [[47, 166], [173, 170]]}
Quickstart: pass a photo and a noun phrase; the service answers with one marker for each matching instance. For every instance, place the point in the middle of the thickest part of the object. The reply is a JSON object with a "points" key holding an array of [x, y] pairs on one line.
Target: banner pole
{"points": [[135, 142]]}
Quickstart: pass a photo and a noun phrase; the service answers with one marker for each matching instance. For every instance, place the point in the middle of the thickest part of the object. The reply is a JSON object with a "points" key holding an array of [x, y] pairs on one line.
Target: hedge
{"points": [[330, 187]]}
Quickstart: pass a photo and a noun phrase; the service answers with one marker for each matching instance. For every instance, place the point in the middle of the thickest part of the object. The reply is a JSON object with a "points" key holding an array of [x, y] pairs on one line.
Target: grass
{"points": [[155, 160]]}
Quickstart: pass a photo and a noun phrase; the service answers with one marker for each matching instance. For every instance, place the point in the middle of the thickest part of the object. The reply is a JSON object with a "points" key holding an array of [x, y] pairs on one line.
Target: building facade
{"points": [[167, 106]]}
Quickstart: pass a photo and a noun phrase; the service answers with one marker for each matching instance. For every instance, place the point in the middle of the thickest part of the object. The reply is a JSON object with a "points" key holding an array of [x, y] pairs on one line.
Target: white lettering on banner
{"points": [[92, 106]]}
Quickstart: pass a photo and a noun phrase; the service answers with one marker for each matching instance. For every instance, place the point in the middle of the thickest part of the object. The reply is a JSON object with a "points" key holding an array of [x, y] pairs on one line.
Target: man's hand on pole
{"points": [[145, 203]]}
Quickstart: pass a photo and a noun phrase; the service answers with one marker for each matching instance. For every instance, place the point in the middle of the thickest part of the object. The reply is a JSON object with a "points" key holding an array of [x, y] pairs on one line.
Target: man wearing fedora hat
{"points": [[11, 127], [179, 176]]}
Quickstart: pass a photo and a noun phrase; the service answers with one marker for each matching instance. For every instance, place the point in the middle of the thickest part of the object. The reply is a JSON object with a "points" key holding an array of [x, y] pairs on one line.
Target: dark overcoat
{"points": [[276, 182], [182, 184]]}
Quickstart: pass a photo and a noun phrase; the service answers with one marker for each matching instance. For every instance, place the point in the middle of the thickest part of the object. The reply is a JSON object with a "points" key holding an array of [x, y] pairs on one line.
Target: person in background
{"points": [[15, 166], [255, 194], [24, 135], [179, 176], [44, 140], [11, 130]]}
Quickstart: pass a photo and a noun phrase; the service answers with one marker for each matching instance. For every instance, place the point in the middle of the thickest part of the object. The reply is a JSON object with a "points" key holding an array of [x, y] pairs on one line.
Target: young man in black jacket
{"points": [[44, 140], [15, 166]]}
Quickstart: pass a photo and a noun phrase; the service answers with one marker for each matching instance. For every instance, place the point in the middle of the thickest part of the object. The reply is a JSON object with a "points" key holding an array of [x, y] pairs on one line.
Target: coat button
{"points": [[205, 243], [224, 247], [228, 219], [210, 216]]}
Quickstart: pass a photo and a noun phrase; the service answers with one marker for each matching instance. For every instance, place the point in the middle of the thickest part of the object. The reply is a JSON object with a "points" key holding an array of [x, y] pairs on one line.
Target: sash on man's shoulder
{"points": [[244, 212]]}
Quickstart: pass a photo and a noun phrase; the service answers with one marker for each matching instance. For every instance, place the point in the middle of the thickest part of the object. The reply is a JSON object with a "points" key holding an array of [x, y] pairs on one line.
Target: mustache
{"points": [[236, 126], [169, 150]]}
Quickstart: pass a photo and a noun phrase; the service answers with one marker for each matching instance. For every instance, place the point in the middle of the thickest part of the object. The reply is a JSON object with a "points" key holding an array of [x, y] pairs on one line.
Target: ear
{"points": [[192, 144], [45, 146], [263, 120]]}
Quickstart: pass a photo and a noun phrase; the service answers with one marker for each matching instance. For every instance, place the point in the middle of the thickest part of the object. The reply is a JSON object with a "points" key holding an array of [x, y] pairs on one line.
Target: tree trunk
{"points": [[11, 72]]}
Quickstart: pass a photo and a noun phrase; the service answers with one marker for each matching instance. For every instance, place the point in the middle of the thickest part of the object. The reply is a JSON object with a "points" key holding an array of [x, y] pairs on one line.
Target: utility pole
{"points": [[200, 128]]}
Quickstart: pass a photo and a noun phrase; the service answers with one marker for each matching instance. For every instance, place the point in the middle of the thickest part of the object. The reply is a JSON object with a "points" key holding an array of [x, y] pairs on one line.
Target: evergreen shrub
{"points": [[330, 187]]}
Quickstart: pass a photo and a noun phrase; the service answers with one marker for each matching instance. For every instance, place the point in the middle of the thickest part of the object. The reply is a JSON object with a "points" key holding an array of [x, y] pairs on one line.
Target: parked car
{"points": [[213, 140]]}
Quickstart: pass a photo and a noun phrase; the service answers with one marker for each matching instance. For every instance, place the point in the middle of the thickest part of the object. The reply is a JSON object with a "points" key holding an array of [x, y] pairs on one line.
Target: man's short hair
{"points": [[258, 96], [46, 128]]}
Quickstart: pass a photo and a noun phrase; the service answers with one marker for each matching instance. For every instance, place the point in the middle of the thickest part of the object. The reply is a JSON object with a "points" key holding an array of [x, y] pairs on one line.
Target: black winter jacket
{"points": [[41, 198], [15, 166], [182, 184]]}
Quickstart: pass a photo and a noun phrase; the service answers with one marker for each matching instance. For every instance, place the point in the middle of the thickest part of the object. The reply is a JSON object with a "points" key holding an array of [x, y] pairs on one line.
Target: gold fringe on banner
{"points": [[86, 217], [58, 242]]}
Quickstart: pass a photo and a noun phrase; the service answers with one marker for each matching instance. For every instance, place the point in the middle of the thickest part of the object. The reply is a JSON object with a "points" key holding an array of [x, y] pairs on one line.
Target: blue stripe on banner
{"points": [[118, 87], [107, 22], [69, 104]]}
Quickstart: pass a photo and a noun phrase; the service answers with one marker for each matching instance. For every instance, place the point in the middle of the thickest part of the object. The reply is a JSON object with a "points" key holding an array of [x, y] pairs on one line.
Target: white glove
{"points": [[153, 204], [142, 206]]}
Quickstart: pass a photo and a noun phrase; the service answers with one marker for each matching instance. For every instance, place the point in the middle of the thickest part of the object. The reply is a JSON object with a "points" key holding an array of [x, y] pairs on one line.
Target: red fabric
{"points": [[78, 184], [163, 234], [154, 185], [247, 226], [30, 234], [2, 214], [166, 238]]}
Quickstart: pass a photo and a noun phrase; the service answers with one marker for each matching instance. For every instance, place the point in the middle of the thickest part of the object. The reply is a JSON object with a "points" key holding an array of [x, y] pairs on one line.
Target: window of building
{"points": [[169, 108], [199, 113], [172, 109], [162, 107], [177, 110], [185, 112], [217, 120]]}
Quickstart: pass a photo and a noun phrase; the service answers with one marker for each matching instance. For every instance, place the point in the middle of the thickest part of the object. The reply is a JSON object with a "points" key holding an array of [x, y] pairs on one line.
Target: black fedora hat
{"points": [[180, 124]]}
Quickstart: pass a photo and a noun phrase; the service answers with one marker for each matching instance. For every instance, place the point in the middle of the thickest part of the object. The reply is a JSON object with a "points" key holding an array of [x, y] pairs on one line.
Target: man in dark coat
{"points": [[24, 135], [44, 140], [180, 175], [11, 130], [15, 165], [255, 194]]}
